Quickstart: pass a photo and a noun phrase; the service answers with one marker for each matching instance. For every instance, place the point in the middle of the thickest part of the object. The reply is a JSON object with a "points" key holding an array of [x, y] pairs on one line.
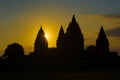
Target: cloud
{"points": [[111, 16], [118, 23], [113, 32]]}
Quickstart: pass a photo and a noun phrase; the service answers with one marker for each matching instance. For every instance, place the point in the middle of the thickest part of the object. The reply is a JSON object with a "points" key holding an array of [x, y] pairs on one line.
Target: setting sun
{"points": [[26, 17], [46, 36]]}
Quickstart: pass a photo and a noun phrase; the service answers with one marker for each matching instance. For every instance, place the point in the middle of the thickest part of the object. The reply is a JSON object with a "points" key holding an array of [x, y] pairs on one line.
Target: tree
{"points": [[91, 51], [102, 43], [14, 51], [41, 44]]}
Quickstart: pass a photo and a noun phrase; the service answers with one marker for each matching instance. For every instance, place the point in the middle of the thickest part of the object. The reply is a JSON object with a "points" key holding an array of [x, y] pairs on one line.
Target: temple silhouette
{"points": [[70, 50]]}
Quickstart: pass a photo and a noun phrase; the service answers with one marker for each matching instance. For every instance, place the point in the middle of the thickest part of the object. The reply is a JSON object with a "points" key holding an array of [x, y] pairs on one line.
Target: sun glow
{"points": [[47, 36]]}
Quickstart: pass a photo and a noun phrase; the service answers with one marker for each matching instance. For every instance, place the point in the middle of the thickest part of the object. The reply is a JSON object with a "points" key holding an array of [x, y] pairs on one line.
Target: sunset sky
{"points": [[20, 20]]}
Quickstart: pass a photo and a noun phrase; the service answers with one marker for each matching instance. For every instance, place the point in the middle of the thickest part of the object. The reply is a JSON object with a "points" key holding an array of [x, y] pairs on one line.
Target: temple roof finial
{"points": [[73, 18]]}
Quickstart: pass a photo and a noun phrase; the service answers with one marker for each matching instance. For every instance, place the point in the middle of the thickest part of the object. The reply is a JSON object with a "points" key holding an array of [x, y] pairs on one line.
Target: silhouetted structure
{"points": [[74, 40], [14, 52], [61, 39], [41, 44], [40, 48], [69, 54], [102, 44], [61, 46]]}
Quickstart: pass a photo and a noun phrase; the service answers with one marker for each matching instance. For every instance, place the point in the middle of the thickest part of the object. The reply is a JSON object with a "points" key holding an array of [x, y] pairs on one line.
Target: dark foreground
{"points": [[84, 69], [87, 75], [109, 70], [74, 71]]}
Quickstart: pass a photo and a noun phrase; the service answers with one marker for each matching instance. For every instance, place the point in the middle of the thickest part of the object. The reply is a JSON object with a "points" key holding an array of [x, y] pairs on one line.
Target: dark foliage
{"points": [[13, 53], [91, 51]]}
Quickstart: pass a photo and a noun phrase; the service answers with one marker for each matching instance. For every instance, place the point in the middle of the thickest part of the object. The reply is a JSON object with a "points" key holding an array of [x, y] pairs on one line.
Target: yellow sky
{"points": [[24, 28]]}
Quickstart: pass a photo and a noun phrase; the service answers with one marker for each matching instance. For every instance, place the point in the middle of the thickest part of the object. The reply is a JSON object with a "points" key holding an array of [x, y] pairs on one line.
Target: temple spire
{"points": [[60, 41], [41, 32], [73, 19], [41, 44], [74, 39], [102, 30], [102, 43]]}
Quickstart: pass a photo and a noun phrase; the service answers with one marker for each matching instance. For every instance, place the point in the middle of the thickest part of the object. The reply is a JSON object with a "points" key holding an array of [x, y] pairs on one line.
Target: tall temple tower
{"points": [[74, 38]]}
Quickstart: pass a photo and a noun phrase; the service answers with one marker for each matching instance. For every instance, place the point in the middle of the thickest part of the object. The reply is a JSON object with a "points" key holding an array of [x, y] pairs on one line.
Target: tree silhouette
{"points": [[14, 52], [41, 44], [74, 39], [102, 43], [91, 51], [61, 37]]}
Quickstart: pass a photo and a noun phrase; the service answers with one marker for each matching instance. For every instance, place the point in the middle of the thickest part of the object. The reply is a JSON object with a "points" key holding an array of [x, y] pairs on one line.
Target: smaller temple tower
{"points": [[102, 44], [41, 44], [60, 40]]}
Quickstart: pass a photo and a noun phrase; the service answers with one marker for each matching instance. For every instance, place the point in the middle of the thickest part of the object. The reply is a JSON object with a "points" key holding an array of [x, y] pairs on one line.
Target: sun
{"points": [[46, 36]]}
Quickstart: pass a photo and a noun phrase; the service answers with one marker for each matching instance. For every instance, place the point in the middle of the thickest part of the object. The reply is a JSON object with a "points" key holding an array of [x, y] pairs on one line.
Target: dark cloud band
{"points": [[113, 32], [111, 16]]}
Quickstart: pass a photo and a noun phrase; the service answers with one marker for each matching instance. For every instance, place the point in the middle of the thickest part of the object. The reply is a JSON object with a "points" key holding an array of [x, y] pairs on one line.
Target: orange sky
{"points": [[20, 21], [26, 29]]}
